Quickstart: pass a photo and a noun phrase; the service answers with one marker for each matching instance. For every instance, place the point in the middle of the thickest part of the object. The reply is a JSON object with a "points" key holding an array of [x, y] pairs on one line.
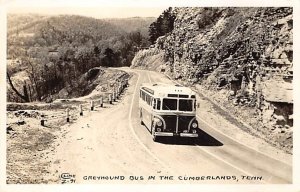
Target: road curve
{"points": [[237, 154], [111, 142]]}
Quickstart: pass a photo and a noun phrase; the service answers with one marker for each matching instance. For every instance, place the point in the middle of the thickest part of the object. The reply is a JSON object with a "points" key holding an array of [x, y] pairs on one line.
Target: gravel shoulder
{"points": [[31, 146]]}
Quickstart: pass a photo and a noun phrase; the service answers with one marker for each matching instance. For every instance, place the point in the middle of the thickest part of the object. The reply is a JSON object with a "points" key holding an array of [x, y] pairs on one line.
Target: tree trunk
{"points": [[34, 79], [23, 97]]}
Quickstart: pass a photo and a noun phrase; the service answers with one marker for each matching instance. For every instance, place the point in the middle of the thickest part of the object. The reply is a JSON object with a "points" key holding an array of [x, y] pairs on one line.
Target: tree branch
{"points": [[26, 99]]}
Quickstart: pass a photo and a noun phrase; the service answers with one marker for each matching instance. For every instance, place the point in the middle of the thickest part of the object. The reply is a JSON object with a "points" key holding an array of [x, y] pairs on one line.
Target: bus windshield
{"points": [[185, 105], [171, 104]]}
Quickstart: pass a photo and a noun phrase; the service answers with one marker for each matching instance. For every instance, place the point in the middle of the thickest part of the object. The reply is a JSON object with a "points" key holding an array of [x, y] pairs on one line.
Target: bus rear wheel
{"points": [[141, 118]]}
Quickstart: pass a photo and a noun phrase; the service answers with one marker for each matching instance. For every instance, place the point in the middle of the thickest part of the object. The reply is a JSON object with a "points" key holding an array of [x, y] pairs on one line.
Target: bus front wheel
{"points": [[154, 137]]}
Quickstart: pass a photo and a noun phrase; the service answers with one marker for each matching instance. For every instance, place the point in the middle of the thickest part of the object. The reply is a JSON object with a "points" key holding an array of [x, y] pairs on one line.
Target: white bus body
{"points": [[168, 110]]}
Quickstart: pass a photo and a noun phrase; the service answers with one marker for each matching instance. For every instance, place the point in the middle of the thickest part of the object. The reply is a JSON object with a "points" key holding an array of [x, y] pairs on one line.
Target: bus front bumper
{"points": [[174, 134]]}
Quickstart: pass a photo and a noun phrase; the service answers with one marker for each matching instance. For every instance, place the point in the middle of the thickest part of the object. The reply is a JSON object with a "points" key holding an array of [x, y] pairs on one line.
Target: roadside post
{"points": [[43, 120], [80, 110], [120, 88], [101, 101], [68, 115], [117, 92], [114, 96], [92, 105], [110, 99]]}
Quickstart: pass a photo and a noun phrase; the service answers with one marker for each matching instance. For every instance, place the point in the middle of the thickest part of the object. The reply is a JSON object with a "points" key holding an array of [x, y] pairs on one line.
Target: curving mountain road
{"points": [[111, 142]]}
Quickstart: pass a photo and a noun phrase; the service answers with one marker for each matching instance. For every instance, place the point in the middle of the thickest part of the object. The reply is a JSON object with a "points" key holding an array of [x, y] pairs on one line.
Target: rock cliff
{"points": [[242, 57]]}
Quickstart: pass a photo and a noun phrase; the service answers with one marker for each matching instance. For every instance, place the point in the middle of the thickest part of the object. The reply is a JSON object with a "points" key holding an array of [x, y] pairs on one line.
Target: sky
{"points": [[121, 8], [90, 8], [96, 12]]}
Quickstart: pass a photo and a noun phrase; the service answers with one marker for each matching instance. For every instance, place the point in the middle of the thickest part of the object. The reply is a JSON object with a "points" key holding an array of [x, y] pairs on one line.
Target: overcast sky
{"points": [[121, 8], [96, 12]]}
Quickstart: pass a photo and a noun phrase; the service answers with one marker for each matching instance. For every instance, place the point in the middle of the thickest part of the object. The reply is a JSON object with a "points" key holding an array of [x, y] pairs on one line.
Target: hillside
{"points": [[132, 24], [46, 54], [67, 27], [241, 58], [21, 22]]}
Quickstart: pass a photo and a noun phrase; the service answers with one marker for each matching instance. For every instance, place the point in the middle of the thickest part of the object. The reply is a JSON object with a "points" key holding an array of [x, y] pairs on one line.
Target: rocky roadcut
{"points": [[241, 57]]}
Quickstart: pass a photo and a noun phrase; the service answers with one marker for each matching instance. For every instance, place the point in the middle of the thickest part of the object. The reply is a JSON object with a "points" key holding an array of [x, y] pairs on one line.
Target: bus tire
{"points": [[141, 118], [154, 137]]}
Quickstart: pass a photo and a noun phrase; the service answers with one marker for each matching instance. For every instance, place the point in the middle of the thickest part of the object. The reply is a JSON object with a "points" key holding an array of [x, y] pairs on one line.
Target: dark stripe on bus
{"points": [[172, 95], [183, 96], [176, 95]]}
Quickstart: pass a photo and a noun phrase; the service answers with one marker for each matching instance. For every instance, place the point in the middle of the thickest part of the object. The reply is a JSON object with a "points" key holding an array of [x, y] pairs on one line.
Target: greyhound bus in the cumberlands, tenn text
{"points": [[168, 110]]}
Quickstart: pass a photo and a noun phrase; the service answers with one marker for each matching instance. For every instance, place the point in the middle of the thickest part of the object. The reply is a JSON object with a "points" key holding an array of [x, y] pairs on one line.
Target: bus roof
{"points": [[165, 90]]}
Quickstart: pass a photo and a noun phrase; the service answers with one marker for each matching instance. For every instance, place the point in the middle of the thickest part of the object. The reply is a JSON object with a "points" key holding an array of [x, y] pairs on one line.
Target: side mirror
{"points": [[198, 105]]}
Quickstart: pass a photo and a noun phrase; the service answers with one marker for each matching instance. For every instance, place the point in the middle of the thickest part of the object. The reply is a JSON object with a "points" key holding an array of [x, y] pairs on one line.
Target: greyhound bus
{"points": [[168, 110]]}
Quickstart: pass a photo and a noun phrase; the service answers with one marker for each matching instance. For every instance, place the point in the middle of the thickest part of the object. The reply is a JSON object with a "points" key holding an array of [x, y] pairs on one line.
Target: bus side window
{"points": [[158, 104], [143, 96]]}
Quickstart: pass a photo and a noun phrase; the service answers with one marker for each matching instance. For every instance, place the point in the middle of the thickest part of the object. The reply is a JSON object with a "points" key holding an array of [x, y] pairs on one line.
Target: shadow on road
{"points": [[204, 139]]}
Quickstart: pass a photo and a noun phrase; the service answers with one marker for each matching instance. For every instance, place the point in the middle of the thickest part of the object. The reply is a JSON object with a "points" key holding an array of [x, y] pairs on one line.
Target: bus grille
{"points": [[183, 122], [170, 123]]}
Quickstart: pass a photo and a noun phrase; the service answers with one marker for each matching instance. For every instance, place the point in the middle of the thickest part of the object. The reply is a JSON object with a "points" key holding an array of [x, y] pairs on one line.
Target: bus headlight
{"points": [[194, 125], [158, 129], [158, 122]]}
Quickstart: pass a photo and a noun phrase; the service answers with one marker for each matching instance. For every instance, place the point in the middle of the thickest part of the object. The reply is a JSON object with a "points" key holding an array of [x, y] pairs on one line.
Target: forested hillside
{"points": [[132, 24], [46, 54]]}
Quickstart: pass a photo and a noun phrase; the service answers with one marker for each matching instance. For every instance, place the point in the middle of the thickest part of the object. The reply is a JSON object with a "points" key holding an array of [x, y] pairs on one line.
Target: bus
{"points": [[168, 110]]}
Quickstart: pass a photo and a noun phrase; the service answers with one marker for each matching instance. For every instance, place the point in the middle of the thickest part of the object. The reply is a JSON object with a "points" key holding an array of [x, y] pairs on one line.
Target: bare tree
{"points": [[25, 96], [31, 71]]}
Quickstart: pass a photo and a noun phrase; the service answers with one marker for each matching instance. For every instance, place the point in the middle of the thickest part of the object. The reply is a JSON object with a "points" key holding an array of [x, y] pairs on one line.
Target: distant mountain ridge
{"points": [[31, 23], [132, 23], [21, 22], [55, 51], [27, 23]]}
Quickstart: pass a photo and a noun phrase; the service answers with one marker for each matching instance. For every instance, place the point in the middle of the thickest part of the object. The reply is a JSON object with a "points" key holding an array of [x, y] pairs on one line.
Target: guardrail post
{"points": [[80, 110], [43, 120], [117, 93], [110, 99], [92, 105], [101, 101], [68, 115], [114, 96]]}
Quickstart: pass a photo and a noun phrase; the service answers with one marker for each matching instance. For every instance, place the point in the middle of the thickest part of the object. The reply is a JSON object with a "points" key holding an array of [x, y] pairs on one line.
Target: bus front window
{"points": [[185, 105], [169, 104]]}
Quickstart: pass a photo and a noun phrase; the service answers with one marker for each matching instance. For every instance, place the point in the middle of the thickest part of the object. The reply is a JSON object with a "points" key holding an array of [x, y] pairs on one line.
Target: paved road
{"points": [[111, 142]]}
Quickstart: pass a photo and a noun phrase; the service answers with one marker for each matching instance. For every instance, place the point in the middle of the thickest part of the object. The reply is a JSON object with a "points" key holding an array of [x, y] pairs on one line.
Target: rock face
{"points": [[239, 50]]}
